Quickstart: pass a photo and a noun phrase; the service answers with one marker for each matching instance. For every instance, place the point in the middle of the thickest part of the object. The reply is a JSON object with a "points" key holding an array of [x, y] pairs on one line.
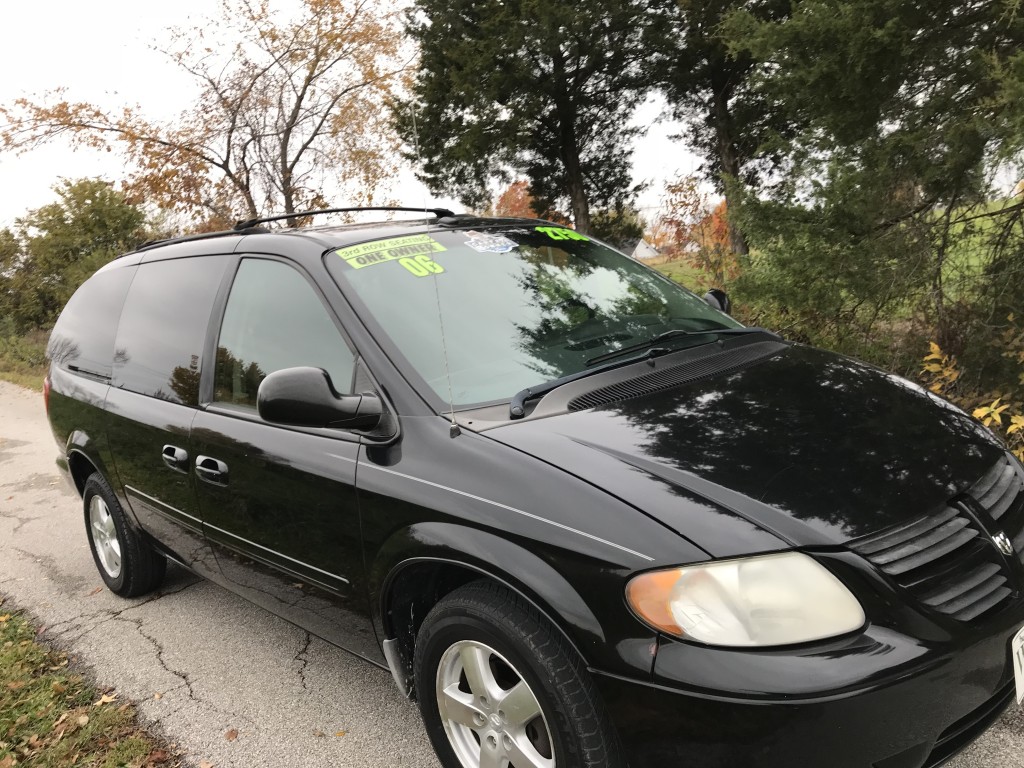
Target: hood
{"points": [[806, 448]]}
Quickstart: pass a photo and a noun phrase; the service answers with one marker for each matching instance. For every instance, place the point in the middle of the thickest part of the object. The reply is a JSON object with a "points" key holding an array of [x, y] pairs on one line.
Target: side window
{"points": [[163, 327], [83, 338], [273, 320]]}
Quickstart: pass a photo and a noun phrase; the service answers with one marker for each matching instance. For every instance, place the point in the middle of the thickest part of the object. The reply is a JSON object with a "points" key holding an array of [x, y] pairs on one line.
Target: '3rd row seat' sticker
{"points": [[412, 252]]}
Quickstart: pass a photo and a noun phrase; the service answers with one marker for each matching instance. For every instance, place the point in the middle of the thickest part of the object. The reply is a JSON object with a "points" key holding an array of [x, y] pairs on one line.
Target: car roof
{"points": [[261, 239]]}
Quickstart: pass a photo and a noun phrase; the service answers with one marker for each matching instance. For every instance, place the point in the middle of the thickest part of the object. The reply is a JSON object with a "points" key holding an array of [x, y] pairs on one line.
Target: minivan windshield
{"points": [[519, 306]]}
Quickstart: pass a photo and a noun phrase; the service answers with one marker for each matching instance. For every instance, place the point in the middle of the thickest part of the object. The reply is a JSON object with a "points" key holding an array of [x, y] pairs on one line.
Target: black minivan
{"points": [[585, 518]]}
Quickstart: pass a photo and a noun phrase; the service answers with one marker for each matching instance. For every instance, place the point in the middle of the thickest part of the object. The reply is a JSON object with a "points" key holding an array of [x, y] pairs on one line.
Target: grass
{"points": [[23, 358], [50, 717], [682, 272]]}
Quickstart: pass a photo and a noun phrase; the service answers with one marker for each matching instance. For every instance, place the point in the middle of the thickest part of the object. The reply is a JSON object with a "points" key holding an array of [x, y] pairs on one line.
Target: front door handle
{"points": [[176, 458], [212, 470]]}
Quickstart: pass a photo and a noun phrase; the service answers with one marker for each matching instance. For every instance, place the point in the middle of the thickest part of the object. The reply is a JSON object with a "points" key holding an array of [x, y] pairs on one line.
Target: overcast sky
{"points": [[101, 52]]}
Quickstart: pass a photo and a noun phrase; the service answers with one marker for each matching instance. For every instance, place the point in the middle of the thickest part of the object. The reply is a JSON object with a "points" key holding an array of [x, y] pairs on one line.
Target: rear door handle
{"points": [[175, 458], [212, 470]]}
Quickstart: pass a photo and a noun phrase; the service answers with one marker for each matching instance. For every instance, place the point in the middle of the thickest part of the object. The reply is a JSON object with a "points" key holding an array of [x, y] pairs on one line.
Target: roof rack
{"points": [[249, 223], [201, 236]]}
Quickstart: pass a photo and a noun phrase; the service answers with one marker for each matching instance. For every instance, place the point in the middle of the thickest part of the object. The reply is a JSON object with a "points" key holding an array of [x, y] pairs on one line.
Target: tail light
{"points": [[46, 392]]}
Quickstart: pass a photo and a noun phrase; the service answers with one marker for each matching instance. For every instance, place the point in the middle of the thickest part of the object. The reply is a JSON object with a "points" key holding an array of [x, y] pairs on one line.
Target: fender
{"points": [[630, 651], [80, 443]]}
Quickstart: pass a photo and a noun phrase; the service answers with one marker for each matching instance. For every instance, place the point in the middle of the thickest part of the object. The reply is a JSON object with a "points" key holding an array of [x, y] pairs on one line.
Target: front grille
{"points": [[947, 560], [1001, 494], [944, 560]]}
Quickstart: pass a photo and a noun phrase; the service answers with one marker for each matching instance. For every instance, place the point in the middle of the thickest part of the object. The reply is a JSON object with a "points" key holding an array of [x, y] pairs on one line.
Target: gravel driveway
{"points": [[202, 662]]}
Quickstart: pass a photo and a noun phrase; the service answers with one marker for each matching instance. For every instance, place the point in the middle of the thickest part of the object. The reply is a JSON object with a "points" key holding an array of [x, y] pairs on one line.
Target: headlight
{"points": [[777, 599]]}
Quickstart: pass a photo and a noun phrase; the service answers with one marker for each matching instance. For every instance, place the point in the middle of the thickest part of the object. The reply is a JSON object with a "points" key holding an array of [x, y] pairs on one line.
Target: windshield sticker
{"points": [[561, 233], [421, 266], [394, 249], [484, 243]]}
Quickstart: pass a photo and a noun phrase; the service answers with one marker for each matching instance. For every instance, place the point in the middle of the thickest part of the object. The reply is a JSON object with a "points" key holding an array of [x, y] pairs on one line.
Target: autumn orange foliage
{"points": [[286, 108], [516, 201], [691, 228]]}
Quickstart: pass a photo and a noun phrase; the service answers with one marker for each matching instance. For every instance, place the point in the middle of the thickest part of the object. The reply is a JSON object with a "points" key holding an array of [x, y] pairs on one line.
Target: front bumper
{"points": [[934, 701]]}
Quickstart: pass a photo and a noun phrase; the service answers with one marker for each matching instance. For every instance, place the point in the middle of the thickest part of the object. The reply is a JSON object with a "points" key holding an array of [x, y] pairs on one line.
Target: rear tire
{"points": [[496, 682], [128, 563]]}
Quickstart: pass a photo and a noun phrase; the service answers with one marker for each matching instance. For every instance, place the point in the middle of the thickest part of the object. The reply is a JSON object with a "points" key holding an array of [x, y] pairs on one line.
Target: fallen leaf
{"points": [[6, 617], [339, 733], [83, 720], [158, 756], [16, 685], [34, 741], [232, 734], [158, 695], [106, 698], [95, 592], [318, 733], [205, 764], [7, 762], [58, 687]]}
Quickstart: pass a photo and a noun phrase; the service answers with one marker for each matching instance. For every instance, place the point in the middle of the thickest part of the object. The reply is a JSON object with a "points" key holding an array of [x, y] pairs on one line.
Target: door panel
{"points": [[155, 392], [279, 503], [162, 498], [285, 525]]}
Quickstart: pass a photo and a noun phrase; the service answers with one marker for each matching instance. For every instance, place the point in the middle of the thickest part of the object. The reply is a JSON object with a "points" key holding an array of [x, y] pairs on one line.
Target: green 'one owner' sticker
{"points": [[393, 249]]}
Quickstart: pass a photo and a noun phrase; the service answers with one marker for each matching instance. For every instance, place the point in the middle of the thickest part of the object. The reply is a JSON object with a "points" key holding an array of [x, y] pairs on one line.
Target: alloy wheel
{"points": [[491, 715], [104, 537]]}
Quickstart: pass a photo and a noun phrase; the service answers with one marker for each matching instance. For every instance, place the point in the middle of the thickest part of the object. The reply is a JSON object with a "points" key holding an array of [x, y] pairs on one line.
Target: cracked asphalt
{"points": [[201, 661]]}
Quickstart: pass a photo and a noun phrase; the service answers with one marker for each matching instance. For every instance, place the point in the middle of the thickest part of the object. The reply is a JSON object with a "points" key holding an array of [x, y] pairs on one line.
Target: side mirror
{"points": [[718, 299], [305, 397]]}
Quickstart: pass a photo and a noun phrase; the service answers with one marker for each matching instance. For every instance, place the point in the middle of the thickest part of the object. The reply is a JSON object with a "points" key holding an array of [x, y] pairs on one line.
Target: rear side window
{"points": [[163, 326], [273, 320], [83, 338]]}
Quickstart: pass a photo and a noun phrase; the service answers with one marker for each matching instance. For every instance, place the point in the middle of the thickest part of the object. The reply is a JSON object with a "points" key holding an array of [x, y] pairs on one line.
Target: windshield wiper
{"points": [[517, 407], [670, 335]]}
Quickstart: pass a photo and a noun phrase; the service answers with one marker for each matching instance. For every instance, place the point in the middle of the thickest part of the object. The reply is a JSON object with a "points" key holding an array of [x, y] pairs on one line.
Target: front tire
{"points": [[499, 686], [127, 563]]}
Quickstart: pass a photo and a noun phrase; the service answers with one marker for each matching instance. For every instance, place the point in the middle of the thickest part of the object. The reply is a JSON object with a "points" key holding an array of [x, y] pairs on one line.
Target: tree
{"points": [[708, 83], [690, 225], [515, 201], [904, 117], [543, 90], [53, 249], [284, 109], [621, 227]]}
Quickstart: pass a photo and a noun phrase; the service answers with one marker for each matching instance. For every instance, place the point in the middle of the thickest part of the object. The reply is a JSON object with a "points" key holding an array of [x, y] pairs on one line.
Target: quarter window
{"points": [[83, 338], [273, 320]]}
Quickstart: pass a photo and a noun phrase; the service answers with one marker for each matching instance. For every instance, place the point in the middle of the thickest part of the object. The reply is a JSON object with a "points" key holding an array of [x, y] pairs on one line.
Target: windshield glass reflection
{"points": [[518, 307]]}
